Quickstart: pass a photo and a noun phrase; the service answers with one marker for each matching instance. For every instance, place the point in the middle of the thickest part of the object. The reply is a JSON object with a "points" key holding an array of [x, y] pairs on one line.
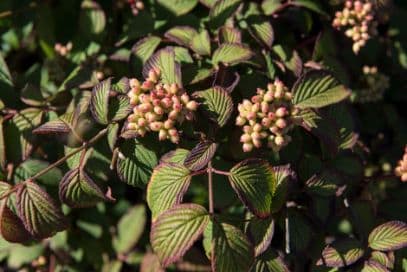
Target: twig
{"points": [[210, 188], [63, 159], [219, 172]]}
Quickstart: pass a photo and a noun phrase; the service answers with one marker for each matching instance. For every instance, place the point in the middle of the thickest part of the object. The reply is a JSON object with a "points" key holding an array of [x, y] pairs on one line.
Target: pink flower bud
{"points": [[158, 110], [269, 96], [166, 103], [251, 115], [173, 115], [147, 85], [281, 123], [247, 147], [257, 143], [131, 126], [266, 122], [156, 126], [174, 88], [240, 121], [274, 129], [281, 112], [134, 83], [264, 107], [279, 140], [247, 129], [145, 107], [169, 124], [255, 135], [173, 132], [150, 117], [162, 135], [152, 76], [141, 122], [257, 127], [174, 139], [245, 138], [192, 105], [185, 98]]}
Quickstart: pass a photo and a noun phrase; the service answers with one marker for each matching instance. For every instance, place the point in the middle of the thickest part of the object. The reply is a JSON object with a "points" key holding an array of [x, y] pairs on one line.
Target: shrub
{"points": [[210, 135]]}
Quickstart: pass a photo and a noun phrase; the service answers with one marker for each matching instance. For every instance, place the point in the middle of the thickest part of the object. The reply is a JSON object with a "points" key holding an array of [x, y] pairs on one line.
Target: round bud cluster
{"points": [[63, 50], [267, 117], [401, 169], [136, 6], [357, 17], [374, 85], [158, 107]]}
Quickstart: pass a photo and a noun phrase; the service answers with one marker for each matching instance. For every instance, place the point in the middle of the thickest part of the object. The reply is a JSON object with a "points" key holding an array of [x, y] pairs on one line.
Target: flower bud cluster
{"points": [[374, 85], [158, 107], [358, 20], [401, 169], [136, 6], [267, 117], [63, 50]]}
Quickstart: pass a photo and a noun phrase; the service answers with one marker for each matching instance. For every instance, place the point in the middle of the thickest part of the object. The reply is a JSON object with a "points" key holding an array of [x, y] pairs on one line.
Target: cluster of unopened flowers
{"points": [[136, 6], [374, 85], [158, 107], [63, 50], [401, 169], [267, 118], [358, 18]]}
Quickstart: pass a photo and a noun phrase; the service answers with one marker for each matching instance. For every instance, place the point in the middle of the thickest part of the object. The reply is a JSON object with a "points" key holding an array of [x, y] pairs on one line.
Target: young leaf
{"points": [[129, 229], [231, 53], [40, 215], [389, 236], [78, 190], [4, 189], [112, 134], [254, 181], [175, 231], [231, 249], [324, 184], [316, 89], [200, 155], [263, 31], [144, 48], [122, 86], [164, 60], [216, 103], [260, 232], [230, 35], [222, 10], [201, 43], [284, 175], [181, 35], [178, 7], [119, 108], [341, 253], [270, 261], [373, 266], [54, 126], [99, 105], [168, 184], [383, 259], [135, 164], [11, 227]]}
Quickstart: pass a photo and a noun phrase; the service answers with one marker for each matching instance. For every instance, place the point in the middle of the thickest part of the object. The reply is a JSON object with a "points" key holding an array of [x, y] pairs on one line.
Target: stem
{"points": [[219, 172], [210, 188], [63, 159]]}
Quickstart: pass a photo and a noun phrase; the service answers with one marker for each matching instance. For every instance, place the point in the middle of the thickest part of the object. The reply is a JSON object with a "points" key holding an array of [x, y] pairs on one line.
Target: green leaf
{"points": [[216, 103], [92, 19], [168, 184], [311, 5], [222, 10], [175, 231], [200, 155], [119, 108], [341, 253], [32, 96], [270, 261], [3, 159], [164, 60], [201, 43], [99, 105], [78, 190], [270, 6], [21, 255], [5, 75], [11, 227], [230, 35], [284, 175], [176, 156], [4, 188], [40, 215], [254, 181], [178, 7], [231, 53], [261, 232], [57, 126], [181, 35], [263, 31], [316, 89], [136, 163], [112, 133], [389, 236], [130, 228], [31, 167], [144, 48], [324, 184], [122, 86], [300, 231], [182, 55], [231, 249], [208, 3]]}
